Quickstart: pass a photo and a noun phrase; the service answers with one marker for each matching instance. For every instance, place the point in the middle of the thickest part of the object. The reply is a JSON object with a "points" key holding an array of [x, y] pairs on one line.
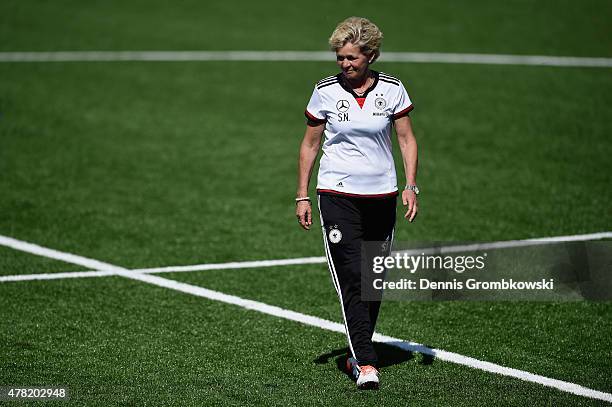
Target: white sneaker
{"points": [[366, 376]]}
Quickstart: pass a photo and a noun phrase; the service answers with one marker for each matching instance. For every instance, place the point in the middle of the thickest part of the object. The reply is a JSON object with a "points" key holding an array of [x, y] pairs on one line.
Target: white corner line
{"points": [[303, 318], [303, 56]]}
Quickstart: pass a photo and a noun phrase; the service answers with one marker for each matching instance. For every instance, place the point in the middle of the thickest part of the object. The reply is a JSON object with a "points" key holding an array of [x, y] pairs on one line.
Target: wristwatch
{"points": [[412, 188]]}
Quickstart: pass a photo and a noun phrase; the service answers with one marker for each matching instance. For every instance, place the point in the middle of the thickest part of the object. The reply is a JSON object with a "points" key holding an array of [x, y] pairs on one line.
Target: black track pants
{"points": [[346, 223]]}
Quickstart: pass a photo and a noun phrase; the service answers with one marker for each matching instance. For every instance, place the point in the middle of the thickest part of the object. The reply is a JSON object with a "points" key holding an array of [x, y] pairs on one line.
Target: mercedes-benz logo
{"points": [[342, 105]]}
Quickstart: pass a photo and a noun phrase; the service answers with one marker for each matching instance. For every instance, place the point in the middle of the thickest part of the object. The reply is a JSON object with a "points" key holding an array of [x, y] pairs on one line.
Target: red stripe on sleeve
{"points": [[403, 112], [313, 118]]}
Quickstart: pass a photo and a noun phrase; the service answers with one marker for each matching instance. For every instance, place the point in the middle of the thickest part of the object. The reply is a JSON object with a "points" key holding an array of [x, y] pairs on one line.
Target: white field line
{"points": [[304, 319], [236, 265], [426, 57], [507, 244], [314, 260], [56, 276], [170, 269]]}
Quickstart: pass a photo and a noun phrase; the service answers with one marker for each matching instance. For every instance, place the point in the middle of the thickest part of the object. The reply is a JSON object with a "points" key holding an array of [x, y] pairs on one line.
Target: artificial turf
{"points": [[155, 164], [547, 27], [145, 165], [112, 341], [15, 262]]}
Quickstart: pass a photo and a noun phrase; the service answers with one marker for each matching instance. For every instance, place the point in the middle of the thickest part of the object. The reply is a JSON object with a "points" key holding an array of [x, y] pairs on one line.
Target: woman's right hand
{"points": [[303, 212]]}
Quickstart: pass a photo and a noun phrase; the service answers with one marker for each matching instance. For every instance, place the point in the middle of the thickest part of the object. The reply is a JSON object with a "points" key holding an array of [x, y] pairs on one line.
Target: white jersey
{"points": [[357, 157]]}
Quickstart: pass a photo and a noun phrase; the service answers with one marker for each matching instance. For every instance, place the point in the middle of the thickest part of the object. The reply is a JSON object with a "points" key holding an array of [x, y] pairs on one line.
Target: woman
{"points": [[357, 187]]}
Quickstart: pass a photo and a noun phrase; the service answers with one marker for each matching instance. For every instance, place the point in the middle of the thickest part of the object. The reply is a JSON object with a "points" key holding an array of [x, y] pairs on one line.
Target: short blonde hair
{"points": [[359, 31]]}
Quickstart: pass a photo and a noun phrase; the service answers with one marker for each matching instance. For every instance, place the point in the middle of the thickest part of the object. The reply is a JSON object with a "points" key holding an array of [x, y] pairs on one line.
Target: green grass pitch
{"points": [[176, 163]]}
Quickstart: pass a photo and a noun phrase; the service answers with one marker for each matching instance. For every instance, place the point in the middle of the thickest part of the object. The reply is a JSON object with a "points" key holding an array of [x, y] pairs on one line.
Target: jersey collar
{"points": [[350, 90]]}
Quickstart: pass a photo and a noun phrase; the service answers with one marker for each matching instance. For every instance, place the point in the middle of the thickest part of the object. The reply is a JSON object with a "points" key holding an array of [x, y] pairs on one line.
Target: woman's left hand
{"points": [[303, 212], [409, 199]]}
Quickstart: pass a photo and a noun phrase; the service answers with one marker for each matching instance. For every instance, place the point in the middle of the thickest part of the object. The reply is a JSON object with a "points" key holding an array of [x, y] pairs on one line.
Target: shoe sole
{"points": [[369, 386]]}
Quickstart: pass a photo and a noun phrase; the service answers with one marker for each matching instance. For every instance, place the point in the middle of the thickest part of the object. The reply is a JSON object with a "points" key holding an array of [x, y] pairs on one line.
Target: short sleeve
{"points": [[314, 111], [403, 104]]}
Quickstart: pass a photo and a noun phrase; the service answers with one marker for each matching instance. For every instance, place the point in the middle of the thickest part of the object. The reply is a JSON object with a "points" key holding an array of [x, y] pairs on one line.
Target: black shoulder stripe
{"points": [[329, 78], [327, 84], [388, 81], [384, 75], [329, 81]]}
